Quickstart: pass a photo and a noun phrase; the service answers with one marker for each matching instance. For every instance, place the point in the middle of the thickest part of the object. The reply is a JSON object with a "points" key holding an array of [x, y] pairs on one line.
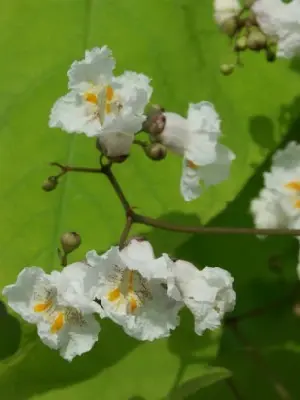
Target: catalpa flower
{"points": [[225, 9], [136, 290], [102, 105], [278, 204], [60, 304], [197, 140], [208, 293], [281, 21]]}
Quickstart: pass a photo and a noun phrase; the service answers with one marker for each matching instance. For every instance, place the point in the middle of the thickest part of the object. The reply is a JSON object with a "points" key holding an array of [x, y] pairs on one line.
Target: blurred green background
{"points": [[176, 43]]}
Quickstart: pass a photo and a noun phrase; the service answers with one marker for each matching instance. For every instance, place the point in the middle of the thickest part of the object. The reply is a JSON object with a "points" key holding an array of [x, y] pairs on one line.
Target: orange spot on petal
{"points": [[109, 93], [58, 323], [114, 294], [42, 306], [133, 304], [90, 97], [190, 164], [294, 185], [108, 108], [297, 204]]}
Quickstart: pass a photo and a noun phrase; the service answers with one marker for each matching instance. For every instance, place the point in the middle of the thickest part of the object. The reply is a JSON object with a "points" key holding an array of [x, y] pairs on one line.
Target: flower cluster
{"points": [[269, 25], [130, 286], [112, 110]]}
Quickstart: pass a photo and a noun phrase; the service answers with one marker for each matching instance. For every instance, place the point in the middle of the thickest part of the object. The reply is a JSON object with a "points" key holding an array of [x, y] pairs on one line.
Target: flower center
{"points": [[191, 165], [295, 186], [131, 291]]}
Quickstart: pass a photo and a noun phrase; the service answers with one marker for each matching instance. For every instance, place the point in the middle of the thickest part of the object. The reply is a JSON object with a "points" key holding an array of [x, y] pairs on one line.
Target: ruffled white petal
{"points": [[190, 188], [208, 293], [20, 294], [96, 68], [267, 211], [135, 90], [74, 115], [73, 340], [219, 170], [175, 135], [77, 287], [140, 250], [225, 9], [204, 130]]}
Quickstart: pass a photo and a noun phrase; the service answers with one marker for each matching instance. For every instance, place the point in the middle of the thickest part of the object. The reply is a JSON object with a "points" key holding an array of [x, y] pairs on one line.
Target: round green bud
{"points": [[241, 43], [229, 26], [50, 184], [156, 151], [70, 241], [256, 40], [227, 69]]}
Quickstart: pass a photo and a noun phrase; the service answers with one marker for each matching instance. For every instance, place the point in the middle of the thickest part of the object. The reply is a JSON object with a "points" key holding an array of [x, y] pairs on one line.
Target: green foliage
{"points": [[176, 43]]}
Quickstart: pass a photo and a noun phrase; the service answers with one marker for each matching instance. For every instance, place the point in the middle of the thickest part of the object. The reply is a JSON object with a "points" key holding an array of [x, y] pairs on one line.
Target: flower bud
{"points": [[156, 151], [229, 26], [227, 69], [241, 43], [50, 183], [155, 123], [70, 241], [256, 40]]}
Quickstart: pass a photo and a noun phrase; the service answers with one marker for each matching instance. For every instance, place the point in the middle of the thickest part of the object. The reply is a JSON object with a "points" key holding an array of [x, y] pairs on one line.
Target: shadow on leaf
{"points": [[261, 130], [31, 376], [10, 335]]}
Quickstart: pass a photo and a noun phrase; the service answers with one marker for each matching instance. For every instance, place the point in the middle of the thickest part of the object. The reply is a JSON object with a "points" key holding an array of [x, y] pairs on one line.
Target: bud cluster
{"points": [[245, 33]]}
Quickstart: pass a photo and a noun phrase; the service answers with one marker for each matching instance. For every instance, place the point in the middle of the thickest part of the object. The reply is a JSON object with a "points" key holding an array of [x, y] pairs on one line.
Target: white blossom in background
{"points": [[137, 290], [100, 104], [225, 9], [208, 293], [60, 304], [281, 21], [197, 140], [278, 204]]}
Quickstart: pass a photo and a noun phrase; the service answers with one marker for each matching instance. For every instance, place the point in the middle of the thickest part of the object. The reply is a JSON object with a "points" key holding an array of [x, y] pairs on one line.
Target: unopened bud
{"points": [[229, 26], [156, 151], [227, 69], [70, 241], [50, 184], [155, 123], [241, 43], [256, 40]]}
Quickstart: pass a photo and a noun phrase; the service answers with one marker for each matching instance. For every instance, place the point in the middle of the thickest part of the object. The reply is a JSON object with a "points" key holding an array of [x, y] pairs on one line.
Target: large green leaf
{"points": [[176, 43]]}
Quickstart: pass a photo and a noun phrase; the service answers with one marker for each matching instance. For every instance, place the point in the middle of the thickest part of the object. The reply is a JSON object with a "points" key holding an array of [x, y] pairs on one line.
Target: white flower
{"points": [[61, 304], [281, 21], [135, 289], [102, 105], [278, 204], [131, 94], [208, 293], [225, 9], [196, 138]]}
